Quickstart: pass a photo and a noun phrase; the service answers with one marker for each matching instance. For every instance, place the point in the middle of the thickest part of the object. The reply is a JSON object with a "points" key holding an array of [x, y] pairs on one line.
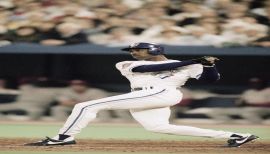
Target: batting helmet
{"points": [[153, 49]]}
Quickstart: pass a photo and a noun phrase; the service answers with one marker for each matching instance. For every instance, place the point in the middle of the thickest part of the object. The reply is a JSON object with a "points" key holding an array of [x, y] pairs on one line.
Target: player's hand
{"points": [[206, 60]]}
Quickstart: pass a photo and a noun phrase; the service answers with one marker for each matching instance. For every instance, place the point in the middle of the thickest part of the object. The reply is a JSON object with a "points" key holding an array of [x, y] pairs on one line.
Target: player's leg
{"points": [[157, 120], [85, 112]]}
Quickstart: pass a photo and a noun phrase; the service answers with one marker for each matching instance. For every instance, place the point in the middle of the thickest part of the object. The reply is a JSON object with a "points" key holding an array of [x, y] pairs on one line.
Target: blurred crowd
{"points": [[35, 98], [120, 22], [42, 99]]}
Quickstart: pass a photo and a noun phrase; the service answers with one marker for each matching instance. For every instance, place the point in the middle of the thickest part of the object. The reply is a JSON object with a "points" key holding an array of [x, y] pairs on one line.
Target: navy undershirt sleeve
{"points": [[210, 74], [162, 67]]}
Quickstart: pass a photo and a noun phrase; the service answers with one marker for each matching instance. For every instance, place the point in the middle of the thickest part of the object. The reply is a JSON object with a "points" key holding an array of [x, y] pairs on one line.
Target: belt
{"points": [[142, 88], [148, 88]]}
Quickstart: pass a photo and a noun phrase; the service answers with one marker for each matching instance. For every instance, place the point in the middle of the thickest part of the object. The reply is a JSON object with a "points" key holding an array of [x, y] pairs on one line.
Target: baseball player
{"points": [[155, 86]]}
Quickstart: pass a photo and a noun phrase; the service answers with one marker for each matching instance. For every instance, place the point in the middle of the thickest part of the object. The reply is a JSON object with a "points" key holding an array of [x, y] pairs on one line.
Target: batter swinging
{"points": [[155, 86]]}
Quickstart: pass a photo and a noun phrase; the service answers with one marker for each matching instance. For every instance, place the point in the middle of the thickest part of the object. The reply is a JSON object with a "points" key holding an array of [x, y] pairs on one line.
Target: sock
{"points": [[62, 136]]}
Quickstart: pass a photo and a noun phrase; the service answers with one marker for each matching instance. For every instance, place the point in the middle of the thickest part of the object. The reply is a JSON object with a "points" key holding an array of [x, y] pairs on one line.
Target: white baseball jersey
{"points": [[174, 78]]}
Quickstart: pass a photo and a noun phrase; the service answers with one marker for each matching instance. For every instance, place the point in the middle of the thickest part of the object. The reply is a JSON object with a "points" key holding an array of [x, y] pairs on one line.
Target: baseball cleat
{"points": [[237, 140], [51, 142]]}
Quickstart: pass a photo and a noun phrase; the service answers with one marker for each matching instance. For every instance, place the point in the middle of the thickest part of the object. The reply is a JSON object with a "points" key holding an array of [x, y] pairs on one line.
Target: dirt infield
{"points": [[260, 147]]}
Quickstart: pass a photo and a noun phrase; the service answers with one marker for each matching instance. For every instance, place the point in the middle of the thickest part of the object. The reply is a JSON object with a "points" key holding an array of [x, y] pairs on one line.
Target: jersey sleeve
{"points": [[125, 67], [195, 70]]}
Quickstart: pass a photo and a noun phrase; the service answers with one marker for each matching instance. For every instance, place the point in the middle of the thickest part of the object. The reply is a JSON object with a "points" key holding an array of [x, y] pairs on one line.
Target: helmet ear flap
{"points": [[152, 51], [155, 50]]}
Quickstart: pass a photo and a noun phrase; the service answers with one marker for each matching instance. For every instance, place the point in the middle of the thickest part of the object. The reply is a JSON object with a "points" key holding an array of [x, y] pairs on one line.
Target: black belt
{"points": [[141, 88]]}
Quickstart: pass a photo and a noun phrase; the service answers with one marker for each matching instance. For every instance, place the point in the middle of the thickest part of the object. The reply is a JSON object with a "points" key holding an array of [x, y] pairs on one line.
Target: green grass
{"points": [[113, 132], [97, 131]]}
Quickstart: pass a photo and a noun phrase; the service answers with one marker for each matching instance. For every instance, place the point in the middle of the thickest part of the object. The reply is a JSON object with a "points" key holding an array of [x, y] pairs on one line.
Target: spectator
{"points": [[3, 36], [116, 36], [48, 34], [262, 42], [199, 36], [24, 34], [217, 107], [6, 95], [262, 15], [252, 105], [255, 101], [4, 90], [96, 16], [236, 11], [66, 33], [77, 92], [6, 4], [171, 35], [243, 32], [71, 33], [32, 100]]}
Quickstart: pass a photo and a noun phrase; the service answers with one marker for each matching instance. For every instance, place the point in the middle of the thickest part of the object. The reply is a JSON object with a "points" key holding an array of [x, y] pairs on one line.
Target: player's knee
{"points": [[78, 106], [84, 106]]}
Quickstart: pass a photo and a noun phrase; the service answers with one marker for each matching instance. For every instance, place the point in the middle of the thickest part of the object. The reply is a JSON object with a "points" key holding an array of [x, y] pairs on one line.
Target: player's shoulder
{"points": [[123, 64]]}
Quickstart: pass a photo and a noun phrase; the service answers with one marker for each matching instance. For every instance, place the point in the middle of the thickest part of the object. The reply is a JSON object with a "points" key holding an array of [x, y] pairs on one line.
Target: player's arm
{"points": [[209, 74], [207, 71], [162, 67]]}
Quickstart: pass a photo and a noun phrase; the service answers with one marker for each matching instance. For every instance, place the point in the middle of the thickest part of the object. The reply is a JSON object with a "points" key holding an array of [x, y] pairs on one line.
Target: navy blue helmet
{"points": [[153, 49]]}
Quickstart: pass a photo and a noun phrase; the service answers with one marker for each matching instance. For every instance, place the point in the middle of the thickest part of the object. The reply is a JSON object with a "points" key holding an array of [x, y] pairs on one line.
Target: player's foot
{"points": [[237, 140], [50, 142]]}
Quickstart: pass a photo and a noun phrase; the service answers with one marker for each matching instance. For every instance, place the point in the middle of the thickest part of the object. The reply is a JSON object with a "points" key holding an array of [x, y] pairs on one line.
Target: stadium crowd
{"points": [[120, 22], [37, 97]]}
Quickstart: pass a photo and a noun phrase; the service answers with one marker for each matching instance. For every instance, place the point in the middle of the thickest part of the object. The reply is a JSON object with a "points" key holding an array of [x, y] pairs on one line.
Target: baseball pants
{"points": [[149, 107]]}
